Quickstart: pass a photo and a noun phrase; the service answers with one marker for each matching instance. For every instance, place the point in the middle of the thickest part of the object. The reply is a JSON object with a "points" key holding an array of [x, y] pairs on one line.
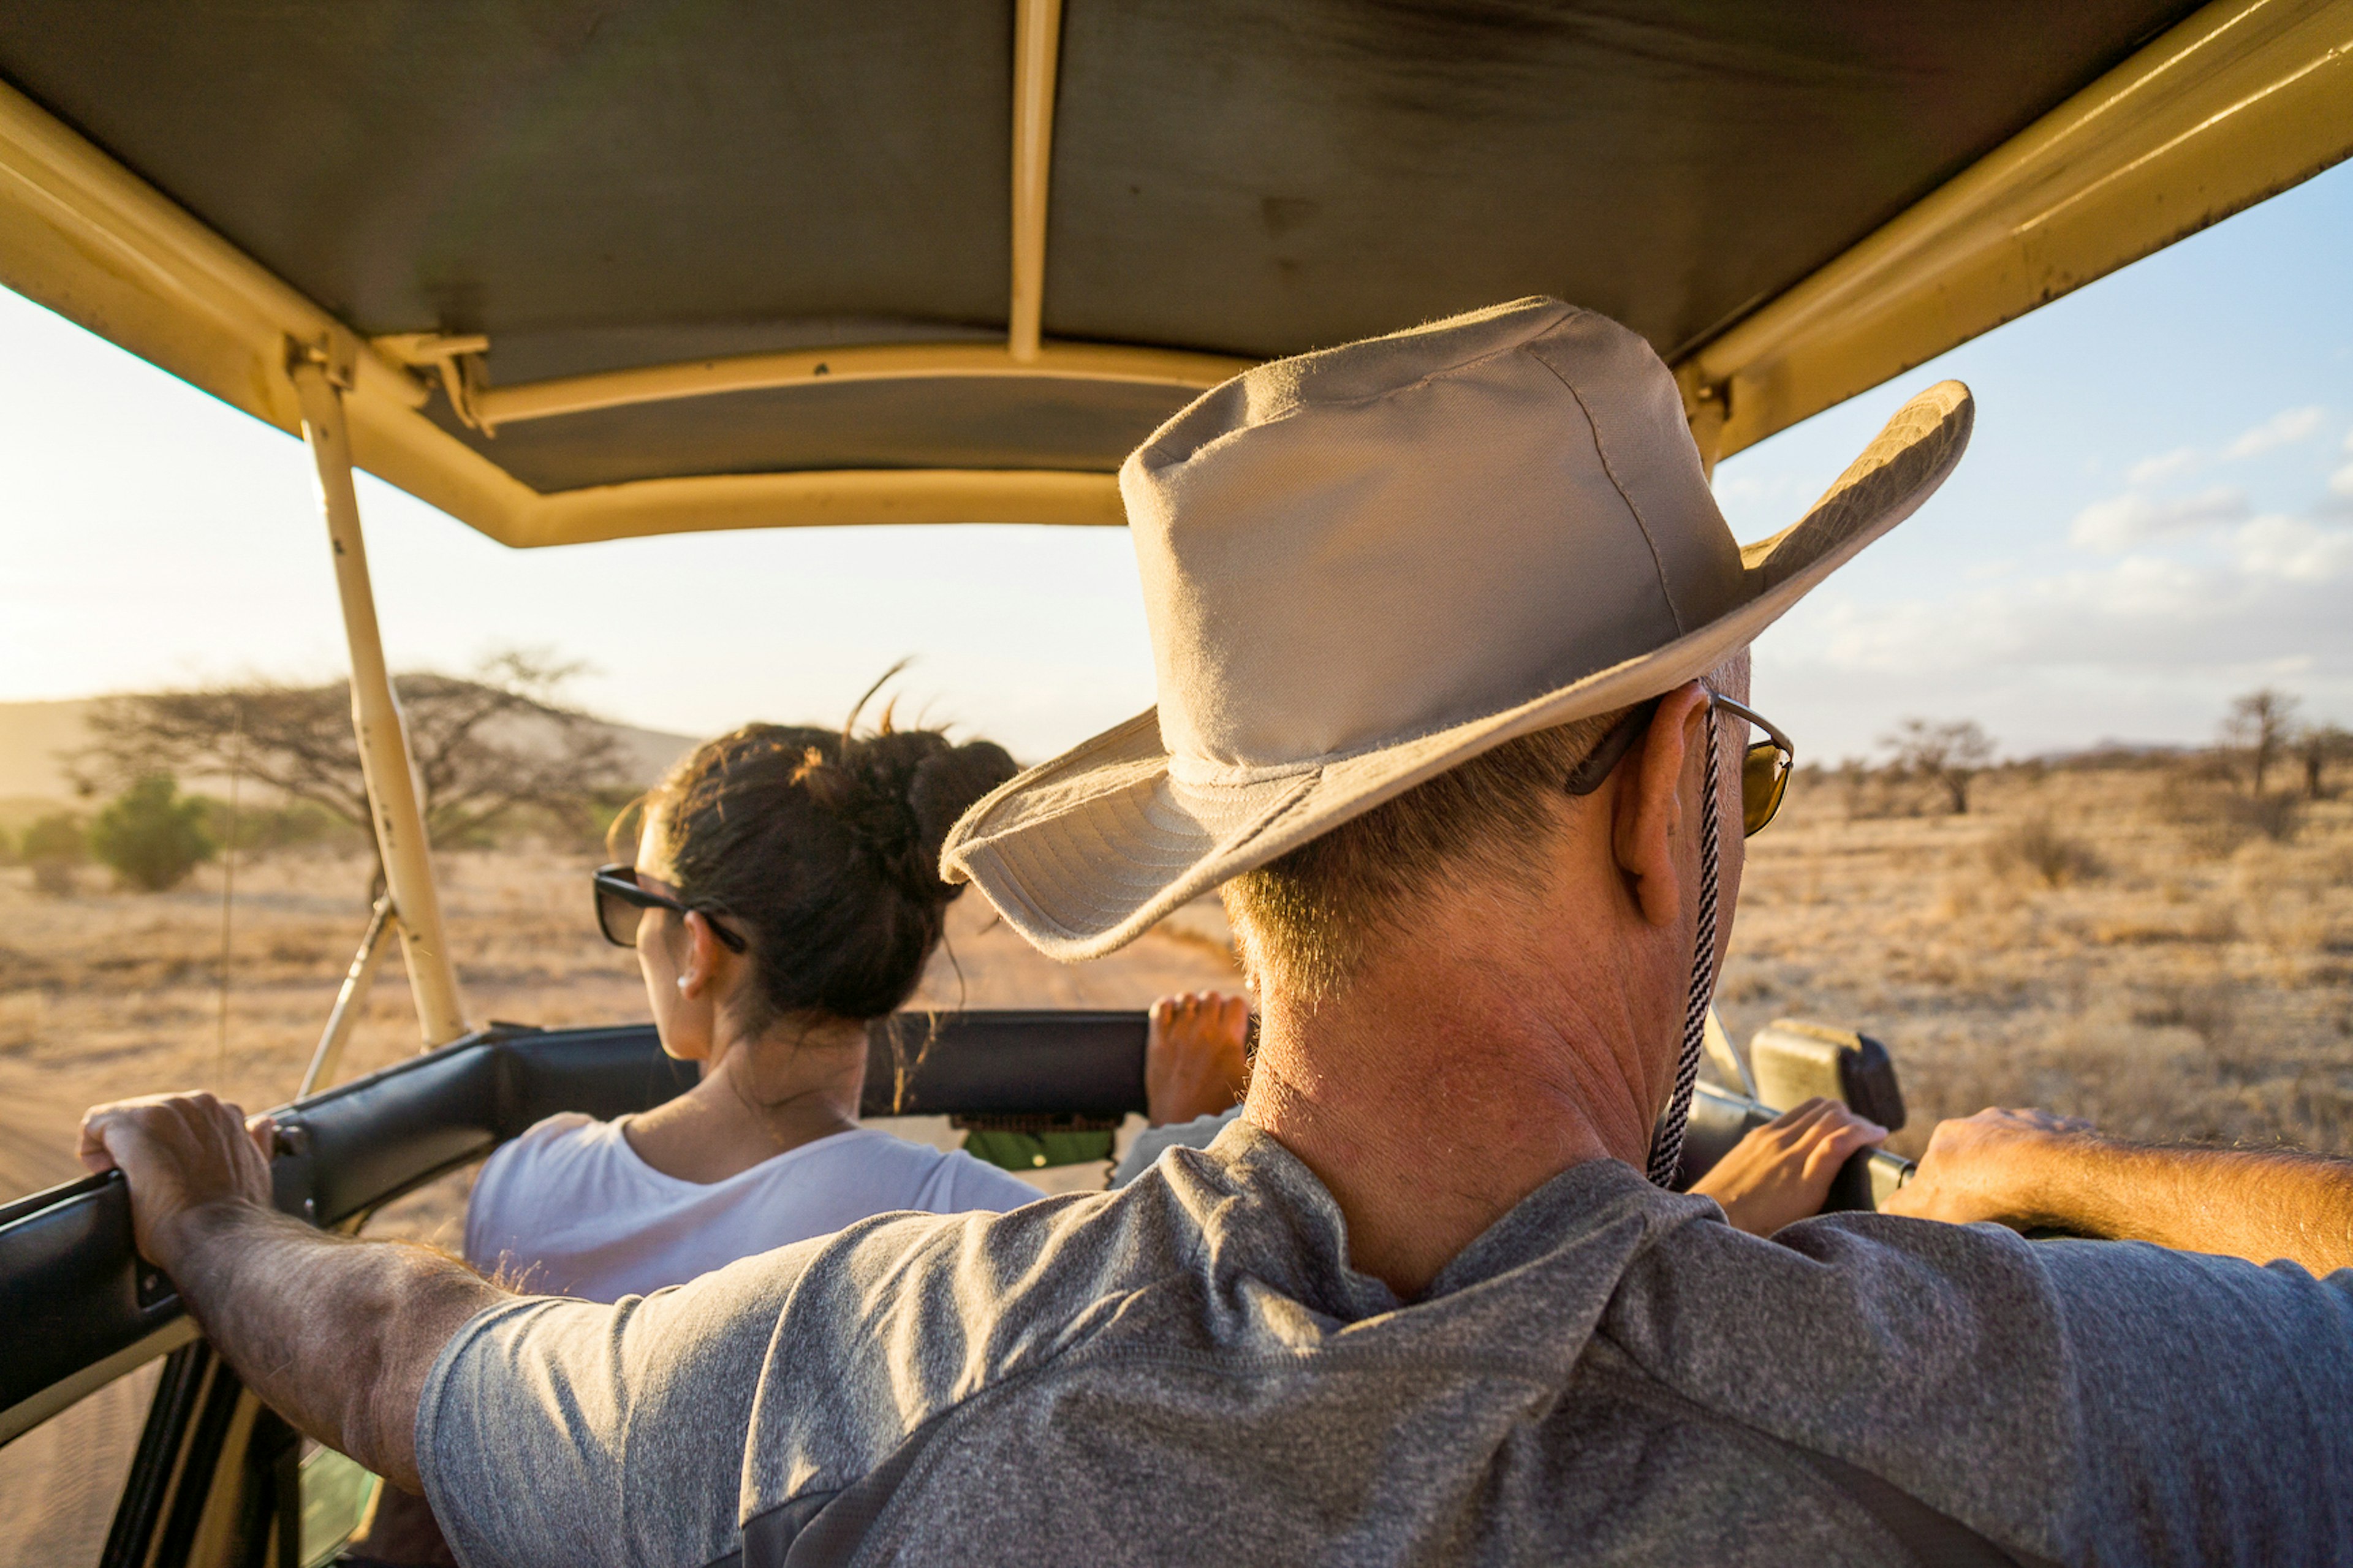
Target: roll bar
{"points": [[82, 1308], [393, 794]]}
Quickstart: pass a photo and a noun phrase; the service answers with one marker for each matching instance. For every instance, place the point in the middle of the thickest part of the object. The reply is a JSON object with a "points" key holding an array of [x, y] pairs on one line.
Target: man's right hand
{"points": [[180, 1154], [1995, 1166], [2033, 1170]]}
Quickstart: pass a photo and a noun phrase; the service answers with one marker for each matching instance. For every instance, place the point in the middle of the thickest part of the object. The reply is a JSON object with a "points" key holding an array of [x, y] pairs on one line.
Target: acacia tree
{"points": [[1949, 756], [2259, 724], [2316, 746], [485, 746]]}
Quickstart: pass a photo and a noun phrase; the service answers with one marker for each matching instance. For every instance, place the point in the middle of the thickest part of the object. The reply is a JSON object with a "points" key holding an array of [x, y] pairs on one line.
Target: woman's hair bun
{"points": [[944, 787], [823, 847]]}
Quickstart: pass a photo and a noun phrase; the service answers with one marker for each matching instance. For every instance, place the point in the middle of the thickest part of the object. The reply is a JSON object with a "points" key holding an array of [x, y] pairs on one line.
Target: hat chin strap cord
{"points": [[1667, 1144]]}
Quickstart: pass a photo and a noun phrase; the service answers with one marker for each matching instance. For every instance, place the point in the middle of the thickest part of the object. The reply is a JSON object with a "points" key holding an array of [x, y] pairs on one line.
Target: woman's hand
{"points": [[1194, 1063], [1783, 1170]]}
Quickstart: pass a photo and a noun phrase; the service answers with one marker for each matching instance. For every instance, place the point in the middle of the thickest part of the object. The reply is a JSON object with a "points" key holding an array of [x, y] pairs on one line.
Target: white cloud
{"points": [[2281, 429], [2294, 548], [2341, 482], [2164, 466], [2265, 595], [2121, 522]]}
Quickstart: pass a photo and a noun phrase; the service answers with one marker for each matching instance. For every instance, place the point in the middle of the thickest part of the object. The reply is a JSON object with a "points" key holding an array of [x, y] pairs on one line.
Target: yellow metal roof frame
{"points": [[2239, 103]]}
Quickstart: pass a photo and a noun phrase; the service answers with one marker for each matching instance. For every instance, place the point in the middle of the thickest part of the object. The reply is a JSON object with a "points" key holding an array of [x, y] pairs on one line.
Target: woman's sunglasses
{"points": [[619, 900], [1764, 767]]}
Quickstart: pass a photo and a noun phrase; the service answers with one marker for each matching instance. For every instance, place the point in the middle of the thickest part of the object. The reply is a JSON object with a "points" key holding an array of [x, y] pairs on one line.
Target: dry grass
{"points": [[105, 994], [2135, 946]]}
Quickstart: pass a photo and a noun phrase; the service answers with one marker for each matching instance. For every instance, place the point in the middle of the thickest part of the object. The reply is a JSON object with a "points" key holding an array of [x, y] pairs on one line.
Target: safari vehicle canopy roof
{"points": [[592, 270]]}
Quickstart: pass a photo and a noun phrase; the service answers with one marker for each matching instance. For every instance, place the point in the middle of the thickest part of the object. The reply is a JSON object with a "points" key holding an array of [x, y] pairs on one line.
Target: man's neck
{"points": [[1432, 1095]]}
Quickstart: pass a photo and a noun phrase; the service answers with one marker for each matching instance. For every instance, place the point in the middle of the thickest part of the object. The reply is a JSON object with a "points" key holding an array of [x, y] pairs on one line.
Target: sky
{"points": [[2156, 514]]}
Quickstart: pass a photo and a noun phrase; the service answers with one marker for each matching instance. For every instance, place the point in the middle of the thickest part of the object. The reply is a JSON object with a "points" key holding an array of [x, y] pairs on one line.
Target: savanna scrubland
{"points": [[2138, 939], [2144, 941]]}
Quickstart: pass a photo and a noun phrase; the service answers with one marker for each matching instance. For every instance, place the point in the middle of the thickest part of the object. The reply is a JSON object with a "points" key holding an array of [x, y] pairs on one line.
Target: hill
{"points": [[37, 738]]}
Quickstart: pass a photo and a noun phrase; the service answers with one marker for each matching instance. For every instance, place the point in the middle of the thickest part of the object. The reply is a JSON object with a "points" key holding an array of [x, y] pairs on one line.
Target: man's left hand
{"points": [[180, 1154]]}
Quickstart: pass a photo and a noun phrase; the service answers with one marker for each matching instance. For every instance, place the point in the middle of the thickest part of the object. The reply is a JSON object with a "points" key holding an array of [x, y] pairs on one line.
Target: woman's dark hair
{"points": [[823, 848]]}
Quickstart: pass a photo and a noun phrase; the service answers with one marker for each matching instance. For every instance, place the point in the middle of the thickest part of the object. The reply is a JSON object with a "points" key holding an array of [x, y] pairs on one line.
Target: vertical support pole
{"points": [[327, 1059], [375, 715], [1037, 48], [1706, 417]]}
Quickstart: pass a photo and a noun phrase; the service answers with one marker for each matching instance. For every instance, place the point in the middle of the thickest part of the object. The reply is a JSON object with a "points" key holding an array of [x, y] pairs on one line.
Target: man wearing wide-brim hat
{"points": [[1450, 643]]}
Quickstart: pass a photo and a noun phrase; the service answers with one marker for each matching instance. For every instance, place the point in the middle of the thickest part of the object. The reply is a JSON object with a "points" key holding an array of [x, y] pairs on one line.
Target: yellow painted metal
{"points": [[2243, 100], [829, 497], [393, 795], [83, 235], [1037, 49], [2239, 103], [327, 1056], [502, 405]]}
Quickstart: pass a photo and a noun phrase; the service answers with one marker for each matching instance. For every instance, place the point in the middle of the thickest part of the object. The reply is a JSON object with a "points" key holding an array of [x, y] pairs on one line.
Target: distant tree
{"points": [[485, 747], [2258, 725], [1949, 756], [2316, 746], [53, 846], [152, 836]]}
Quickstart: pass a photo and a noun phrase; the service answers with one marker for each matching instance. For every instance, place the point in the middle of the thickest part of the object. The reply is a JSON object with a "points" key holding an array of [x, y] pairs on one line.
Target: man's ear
{"points": [[1647, 804]]}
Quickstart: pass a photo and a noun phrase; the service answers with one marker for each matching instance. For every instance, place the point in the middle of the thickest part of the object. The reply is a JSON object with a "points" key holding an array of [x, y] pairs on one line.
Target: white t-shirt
{"points": [[570, 1209]]}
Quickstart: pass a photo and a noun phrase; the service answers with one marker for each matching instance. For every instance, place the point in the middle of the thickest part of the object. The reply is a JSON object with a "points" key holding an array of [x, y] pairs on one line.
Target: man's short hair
{"points": [[1307, 922]]}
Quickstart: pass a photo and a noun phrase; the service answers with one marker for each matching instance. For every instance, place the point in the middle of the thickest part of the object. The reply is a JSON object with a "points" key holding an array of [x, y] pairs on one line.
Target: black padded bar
{"points": [[603, 1073], [1005, 1063], [346, 1151], [74, 1292], [70, 1286]]}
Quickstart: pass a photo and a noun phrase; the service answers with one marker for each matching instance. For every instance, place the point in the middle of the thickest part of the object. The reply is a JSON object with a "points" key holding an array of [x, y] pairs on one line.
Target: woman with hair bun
{"points": [[784, 888]]}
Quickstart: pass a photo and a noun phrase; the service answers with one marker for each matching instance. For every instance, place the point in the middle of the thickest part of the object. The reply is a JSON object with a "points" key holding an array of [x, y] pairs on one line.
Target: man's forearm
{"points": [[2236, 1203], [335, 1334]]}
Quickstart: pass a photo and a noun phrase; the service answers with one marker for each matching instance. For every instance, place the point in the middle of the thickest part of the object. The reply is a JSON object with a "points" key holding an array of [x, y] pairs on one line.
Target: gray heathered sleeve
{"points": [[2214, 1396], [2081, 1401], [570, 1434]]}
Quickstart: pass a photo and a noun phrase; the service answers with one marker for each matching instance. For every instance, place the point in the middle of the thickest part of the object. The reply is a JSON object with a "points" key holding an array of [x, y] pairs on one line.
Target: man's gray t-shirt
{"points": [[1188, 1370]]}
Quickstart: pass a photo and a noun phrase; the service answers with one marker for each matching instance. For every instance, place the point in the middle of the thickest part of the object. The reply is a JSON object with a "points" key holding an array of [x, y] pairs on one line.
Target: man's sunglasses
{"points": [[1764, 767], [620, 899]]}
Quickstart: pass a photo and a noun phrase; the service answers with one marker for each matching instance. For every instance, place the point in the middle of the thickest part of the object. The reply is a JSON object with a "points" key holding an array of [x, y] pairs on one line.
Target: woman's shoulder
{"points": [[572, 1133], [913, 1175], [518, 1172]]}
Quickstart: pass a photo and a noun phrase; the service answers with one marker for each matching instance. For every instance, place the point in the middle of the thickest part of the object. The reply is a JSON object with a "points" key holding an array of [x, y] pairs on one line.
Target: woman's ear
{"points": [[1647, 806], [705, 958]]}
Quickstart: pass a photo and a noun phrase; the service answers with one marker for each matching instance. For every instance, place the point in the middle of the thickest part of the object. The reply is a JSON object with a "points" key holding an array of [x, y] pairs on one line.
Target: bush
{"points": [[53, 846], [152, 835], [2036, 848], [2216, 819], [262, 829]]}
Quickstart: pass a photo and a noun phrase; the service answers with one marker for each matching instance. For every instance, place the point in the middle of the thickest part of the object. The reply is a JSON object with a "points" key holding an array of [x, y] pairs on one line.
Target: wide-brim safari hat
{"points": [[1366, 565]]}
